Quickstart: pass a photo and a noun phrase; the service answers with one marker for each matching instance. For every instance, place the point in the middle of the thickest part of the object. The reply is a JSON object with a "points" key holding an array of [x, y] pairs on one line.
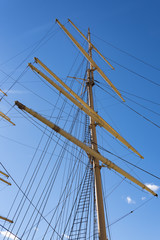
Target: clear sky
{"points": [[132, 27]]}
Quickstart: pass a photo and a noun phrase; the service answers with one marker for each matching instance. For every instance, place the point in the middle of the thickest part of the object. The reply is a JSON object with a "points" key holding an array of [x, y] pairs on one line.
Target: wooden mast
{"points": [[92, 151], [96, 167]]}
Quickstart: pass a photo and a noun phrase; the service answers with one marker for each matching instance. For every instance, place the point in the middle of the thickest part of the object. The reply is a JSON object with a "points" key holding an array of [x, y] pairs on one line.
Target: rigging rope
{"points": [[127, 214], [135, 73], [26, 196], [137, 97], [147, 119], [9, 232], [33, 50], [127, 53], [153, 175]]}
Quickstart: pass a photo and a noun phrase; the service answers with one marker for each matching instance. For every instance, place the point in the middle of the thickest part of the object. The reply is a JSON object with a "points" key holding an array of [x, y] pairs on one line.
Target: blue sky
{"points": [[132, 26]]}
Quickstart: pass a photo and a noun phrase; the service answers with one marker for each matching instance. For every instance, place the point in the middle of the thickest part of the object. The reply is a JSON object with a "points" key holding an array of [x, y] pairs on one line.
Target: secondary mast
{"points": [[95, 162]]}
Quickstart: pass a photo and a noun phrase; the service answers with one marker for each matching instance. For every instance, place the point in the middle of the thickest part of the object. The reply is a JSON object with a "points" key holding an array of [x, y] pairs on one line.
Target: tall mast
{"points": [[95, 162]]}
